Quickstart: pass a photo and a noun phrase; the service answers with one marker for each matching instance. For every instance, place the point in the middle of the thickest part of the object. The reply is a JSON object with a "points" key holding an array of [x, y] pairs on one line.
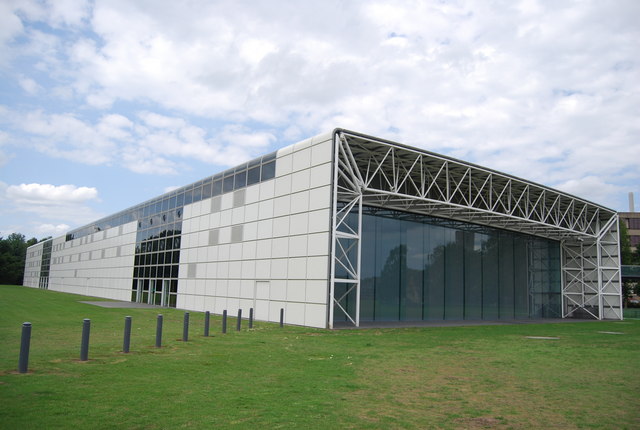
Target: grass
{"points": [[295, 377], [632, 313]]}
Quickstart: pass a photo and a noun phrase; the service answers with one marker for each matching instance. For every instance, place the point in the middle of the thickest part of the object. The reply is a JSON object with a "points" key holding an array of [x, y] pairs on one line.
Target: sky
{"points": [[105, 104]]}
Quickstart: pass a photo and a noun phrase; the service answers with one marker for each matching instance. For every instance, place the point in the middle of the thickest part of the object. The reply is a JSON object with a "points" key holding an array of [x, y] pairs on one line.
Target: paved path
{"points": [[108, 304]]}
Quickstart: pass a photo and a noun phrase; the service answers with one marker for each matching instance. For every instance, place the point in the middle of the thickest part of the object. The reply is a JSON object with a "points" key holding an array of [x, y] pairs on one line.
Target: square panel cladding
{"points": [[265, 246]]}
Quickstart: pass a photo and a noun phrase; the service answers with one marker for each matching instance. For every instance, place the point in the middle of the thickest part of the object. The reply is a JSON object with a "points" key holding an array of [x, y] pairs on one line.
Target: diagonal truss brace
{"points": [[591, 282], [346, 237]]}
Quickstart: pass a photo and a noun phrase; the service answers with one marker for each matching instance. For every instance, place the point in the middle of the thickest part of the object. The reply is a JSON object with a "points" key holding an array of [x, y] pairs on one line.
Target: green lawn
{"points": [[294, 377]]}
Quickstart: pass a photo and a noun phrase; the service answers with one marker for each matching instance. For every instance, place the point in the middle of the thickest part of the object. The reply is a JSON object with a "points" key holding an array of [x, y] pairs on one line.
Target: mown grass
{"points": [[295, 377]]}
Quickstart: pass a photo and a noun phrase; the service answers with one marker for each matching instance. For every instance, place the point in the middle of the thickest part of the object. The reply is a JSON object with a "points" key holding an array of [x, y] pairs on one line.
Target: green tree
{"points": [[13, 252], [626, 254]]}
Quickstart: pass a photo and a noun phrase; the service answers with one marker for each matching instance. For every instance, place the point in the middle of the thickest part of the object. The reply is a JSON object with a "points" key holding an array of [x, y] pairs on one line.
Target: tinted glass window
{"points": [[197, 194], [422, 268], [217, 188], [241, 180], [253, 176], [206, 190], [188, 197], [227, 184], [268, 171]]}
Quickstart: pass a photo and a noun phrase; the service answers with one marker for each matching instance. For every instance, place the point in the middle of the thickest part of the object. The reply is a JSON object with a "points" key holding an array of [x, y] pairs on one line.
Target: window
{"points": [[268, 171]]}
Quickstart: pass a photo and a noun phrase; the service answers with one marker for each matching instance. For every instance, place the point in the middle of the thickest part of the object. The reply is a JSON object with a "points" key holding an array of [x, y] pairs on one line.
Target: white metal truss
{"points": [[373, 172], [591, 275]]}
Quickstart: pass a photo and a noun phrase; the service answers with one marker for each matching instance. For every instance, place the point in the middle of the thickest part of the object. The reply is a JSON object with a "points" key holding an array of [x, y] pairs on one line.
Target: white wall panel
{"points": [[296, 291], [282, 205], [316, 291], [294, 313], [278, 291], [300, 180]]}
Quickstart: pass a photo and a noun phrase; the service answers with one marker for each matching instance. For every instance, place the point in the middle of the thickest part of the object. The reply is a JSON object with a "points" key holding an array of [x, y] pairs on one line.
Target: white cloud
{"points": [[68, 12], [44, 209], [47, 194], [596, 188], [44, 230], [30, 86], [547, 91], [10, 23]]}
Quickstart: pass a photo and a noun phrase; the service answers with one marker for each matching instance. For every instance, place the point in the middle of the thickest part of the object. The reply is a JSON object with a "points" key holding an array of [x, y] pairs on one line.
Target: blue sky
{"points": [[104, 104]]}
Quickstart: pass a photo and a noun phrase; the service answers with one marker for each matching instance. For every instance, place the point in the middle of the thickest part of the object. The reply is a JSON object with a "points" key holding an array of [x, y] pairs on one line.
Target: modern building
{"points": [[349, 229]]}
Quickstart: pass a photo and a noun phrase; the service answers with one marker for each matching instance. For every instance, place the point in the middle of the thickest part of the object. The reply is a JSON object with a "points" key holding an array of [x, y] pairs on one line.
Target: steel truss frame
{"points": [[374, 172]]}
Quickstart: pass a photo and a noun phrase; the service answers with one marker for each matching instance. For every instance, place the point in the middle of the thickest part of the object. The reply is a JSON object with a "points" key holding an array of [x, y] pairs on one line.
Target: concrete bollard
{"points": [[224, 321], [239, 320], [185, 327], [159, 331], [207, 317], [250, 317], [127, 334], [84, 347], [281, 317], [25, 342]]}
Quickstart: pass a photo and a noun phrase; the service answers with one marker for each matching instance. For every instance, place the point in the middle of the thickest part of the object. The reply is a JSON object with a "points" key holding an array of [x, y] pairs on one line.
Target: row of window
{"points": [[158, 245], [258, 170], [165, 272], [46, 259], [633, 223], [167, 218], [157, 258], [158, 233]]}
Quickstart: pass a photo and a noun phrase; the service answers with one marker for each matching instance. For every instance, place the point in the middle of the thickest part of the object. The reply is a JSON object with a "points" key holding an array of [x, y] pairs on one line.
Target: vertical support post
{"points": [[334, 215], [563, 279], [344, 238], [185, 327], [239, 320], [599, 273], [207, 317], [25, 342], [620, 271], [359, 260], [281, 317], [250, 317], [159, 331], [224, 321], [127, 334], [84, 347]]}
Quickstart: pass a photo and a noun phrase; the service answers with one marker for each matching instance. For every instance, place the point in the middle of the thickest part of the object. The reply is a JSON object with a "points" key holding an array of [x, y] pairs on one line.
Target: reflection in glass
{"points": [[423, 268]]}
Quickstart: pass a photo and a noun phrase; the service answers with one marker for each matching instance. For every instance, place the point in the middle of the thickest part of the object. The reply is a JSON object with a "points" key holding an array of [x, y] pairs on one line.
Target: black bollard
{"points": [[224, 321], [25, 342], [159, 332], [239, 320], [84, 347], [207, 317], [127, 334], [281, 317], [185, 327], [250, 317]]}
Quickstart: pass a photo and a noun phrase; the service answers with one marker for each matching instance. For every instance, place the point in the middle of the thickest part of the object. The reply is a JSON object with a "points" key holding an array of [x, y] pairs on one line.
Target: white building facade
{"points": [[347, 229]]}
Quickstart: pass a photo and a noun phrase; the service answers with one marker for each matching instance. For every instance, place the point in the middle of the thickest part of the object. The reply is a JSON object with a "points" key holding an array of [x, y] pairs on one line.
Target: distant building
{"points": [[345, 228], [632, 220]]}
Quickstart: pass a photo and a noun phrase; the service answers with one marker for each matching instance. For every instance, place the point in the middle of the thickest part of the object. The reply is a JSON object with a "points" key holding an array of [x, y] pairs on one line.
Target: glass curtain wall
{"points": [[416, 268]]}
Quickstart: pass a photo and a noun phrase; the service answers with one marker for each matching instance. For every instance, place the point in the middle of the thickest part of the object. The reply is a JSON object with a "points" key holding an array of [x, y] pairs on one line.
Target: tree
{"points": [[13, 252], [626, 255]]}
